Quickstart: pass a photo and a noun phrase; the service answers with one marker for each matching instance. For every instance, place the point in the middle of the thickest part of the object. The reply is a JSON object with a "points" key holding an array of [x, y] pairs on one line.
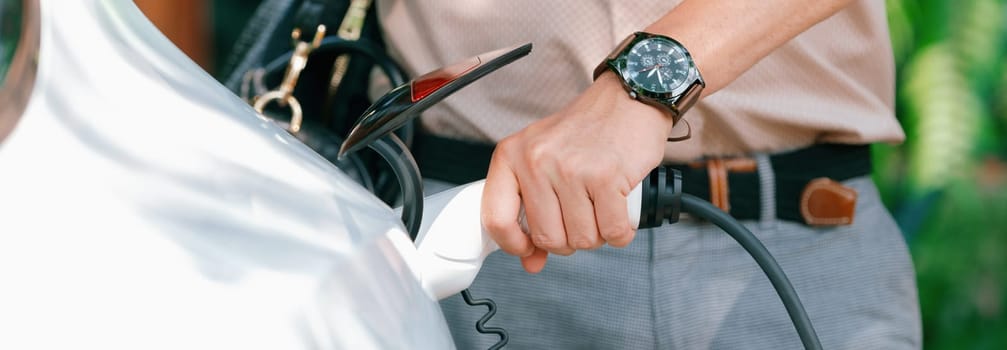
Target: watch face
{"points": [[657, 65]]}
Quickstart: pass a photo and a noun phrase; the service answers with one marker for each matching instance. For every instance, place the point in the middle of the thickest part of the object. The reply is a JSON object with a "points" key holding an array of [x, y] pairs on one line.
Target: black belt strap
{"points": [[792, 171], [459, 162]]}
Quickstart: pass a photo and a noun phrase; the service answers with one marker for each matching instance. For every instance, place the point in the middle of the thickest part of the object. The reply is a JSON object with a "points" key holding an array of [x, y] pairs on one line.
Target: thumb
{"points": [[535, 262]]}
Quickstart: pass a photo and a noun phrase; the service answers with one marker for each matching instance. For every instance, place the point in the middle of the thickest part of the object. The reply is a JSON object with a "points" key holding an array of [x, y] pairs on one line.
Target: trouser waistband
{"points": [[806, 180]]}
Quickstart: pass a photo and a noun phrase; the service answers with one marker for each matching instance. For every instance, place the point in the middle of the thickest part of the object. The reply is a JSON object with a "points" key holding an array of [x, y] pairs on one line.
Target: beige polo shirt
{"points": [[833, 83]]}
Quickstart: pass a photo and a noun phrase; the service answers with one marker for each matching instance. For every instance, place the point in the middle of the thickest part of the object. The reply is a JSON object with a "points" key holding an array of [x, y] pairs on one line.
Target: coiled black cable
{"points": [[481, 324]]}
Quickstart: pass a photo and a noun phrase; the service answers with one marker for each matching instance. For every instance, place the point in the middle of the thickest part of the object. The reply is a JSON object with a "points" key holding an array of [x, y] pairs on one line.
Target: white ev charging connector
{"points": [[452, 243]]}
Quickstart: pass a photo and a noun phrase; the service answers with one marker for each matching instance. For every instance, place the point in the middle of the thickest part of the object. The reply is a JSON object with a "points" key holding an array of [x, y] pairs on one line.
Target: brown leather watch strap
{"points": [[603, 66]]}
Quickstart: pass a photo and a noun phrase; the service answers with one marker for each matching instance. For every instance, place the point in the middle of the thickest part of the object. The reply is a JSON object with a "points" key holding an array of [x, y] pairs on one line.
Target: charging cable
{"points": [[663, 199]]}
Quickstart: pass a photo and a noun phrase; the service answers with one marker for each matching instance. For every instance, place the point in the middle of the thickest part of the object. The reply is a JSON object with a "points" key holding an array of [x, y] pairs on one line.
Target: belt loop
{"points": [[767, 192], [716, 169]]}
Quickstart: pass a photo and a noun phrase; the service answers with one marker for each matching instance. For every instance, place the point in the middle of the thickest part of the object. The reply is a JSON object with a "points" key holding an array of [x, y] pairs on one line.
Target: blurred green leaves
{"points": [[948, 183], [10, 32], [942, 120], [960, 263]]}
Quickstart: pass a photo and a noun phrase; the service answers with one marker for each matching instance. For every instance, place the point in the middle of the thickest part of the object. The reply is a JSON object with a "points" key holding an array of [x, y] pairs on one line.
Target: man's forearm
{"points": [[727, 37]]}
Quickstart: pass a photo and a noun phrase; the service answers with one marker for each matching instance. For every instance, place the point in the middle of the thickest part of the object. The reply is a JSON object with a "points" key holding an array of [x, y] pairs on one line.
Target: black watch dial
{"points": [[657, 65]]}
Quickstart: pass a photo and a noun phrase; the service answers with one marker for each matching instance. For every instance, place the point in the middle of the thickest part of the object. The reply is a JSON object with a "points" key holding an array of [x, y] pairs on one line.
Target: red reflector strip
{"points": [[429, 83]]}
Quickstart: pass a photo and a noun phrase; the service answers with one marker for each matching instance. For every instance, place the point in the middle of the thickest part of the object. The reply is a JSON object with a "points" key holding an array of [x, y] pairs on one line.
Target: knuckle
{"points": [[601, 173], [615, 229], [538, 153], [615, 232], [568, 170], [562, 251], [598, 175], [503, 150], [495, 225], [624, 186], [513, 249], [505, 145], [545, 242], [584, 243], [619, 236]]}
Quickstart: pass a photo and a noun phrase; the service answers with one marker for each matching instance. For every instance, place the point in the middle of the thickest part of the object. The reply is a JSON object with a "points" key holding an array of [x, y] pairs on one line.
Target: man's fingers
{"points": [[578, 217], [613, 220], [545, 220], [501, 202]]}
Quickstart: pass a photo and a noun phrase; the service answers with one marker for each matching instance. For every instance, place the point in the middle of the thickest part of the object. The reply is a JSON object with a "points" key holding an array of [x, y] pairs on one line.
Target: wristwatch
{"points": [[656, 70]]}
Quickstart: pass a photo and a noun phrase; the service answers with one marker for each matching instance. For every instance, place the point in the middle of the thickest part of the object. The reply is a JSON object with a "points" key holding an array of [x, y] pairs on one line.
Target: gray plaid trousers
{"points": [[690, 286]]}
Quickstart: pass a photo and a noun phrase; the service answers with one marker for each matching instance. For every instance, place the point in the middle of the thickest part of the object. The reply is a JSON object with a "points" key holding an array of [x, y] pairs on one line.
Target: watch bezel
{"points": [[619, 64]]}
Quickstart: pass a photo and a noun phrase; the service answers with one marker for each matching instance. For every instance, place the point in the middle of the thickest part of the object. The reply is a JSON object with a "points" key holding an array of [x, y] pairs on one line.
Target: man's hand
{"points": [[572, 172]]}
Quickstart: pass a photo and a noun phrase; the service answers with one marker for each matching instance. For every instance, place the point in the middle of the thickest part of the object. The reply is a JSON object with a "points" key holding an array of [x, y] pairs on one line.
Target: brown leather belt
{"points": [[807, 181]]}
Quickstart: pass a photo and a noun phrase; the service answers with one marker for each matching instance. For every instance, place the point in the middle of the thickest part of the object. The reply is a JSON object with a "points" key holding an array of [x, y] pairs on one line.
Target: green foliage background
{"points": [[947, 185], [10, 31]]}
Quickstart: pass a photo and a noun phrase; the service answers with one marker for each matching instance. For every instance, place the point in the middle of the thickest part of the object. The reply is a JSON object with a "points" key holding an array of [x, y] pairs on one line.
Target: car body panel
{"points": [[142, 205]]}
